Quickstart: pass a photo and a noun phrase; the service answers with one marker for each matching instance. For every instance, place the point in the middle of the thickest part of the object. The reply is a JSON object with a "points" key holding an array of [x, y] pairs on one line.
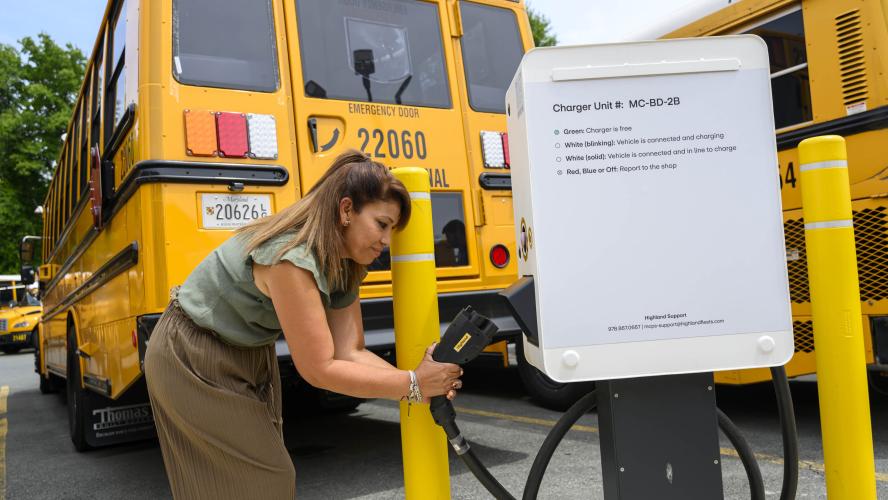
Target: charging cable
{"points": [[469, 333]]}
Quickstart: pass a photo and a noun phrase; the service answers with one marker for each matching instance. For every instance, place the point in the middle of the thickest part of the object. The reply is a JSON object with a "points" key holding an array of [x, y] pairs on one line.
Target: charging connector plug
{"points": [[468, 334]]}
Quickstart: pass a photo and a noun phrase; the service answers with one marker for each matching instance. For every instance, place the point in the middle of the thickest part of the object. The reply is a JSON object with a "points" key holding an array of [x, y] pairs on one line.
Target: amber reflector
{"points": [[232, 128], [200, 133]]}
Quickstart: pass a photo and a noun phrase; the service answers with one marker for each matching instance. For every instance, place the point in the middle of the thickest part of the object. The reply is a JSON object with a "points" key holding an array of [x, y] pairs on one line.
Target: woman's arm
{"points": [[347, 327], [298, 305]]}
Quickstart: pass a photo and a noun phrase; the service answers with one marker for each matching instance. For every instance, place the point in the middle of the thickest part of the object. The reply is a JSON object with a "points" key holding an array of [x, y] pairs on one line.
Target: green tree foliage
{"points": [[540, 27], [38, 85]]}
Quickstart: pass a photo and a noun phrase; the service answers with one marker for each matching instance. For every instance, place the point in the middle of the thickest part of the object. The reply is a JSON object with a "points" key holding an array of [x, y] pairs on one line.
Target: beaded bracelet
{"points": [[414, 395]]}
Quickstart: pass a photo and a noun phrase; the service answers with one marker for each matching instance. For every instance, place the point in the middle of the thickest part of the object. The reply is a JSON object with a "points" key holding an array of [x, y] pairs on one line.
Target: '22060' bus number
{"points": [[392, 144]]}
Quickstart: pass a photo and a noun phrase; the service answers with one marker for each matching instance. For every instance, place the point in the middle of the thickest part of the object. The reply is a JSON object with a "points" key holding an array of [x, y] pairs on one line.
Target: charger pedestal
{"points": [[658, 284], [659, 438]]}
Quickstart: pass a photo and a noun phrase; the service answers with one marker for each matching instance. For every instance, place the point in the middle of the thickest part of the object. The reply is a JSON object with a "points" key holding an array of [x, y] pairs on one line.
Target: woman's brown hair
{"points": [[314, 219]]}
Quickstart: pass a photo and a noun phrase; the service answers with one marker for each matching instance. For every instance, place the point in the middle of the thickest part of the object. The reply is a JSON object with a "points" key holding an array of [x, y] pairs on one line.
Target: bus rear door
{"points": [[493, 36], [488, 49], [378, 76]]}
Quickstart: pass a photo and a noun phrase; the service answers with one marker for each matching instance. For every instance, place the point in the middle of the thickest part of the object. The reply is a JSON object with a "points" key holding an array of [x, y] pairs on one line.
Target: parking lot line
{"points": [[4, 391], [730, 452], [525, 420]]}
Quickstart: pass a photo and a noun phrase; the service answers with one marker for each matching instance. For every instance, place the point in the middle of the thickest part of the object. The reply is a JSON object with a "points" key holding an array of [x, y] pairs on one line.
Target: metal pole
{"points": [[414, 293], [838, 331]]}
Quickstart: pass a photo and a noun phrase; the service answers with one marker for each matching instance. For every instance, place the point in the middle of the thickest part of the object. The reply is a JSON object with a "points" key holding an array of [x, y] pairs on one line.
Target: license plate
{"points": [[19, 338], [226, 211]]}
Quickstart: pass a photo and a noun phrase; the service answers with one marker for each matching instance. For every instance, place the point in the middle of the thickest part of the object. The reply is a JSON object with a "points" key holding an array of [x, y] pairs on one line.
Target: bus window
{"points": [[785, 37], [449, 222], [387, 51], [491, 51], [97, 82], [116, 83], [73, 160], [66, 166], [118, 37], [450, 230], [84, 137], [10, 293], [229, 45]]}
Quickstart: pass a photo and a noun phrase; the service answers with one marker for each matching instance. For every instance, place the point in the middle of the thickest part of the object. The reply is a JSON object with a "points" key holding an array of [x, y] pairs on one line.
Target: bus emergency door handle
{"points": [[313, 133]]}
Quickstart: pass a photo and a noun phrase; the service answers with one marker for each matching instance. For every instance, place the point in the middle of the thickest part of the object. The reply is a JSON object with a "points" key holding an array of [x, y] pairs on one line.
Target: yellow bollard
{"points": [[415, 297], [838, 331]]}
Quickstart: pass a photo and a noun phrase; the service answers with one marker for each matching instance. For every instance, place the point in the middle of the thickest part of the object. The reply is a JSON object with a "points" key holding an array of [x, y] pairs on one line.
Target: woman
{"points": [[211, 367]]}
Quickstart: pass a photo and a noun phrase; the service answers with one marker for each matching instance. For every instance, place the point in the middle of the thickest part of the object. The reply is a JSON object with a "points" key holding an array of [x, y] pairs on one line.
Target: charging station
{"points": [[650, 241]]}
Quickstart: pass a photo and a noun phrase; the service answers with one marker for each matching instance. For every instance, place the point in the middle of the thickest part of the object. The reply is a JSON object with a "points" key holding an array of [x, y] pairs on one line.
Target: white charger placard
{"points": [[646, 189]]}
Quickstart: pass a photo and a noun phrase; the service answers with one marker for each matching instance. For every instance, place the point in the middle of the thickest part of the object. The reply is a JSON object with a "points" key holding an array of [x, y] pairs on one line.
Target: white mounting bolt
{"points": [[570, 358]]}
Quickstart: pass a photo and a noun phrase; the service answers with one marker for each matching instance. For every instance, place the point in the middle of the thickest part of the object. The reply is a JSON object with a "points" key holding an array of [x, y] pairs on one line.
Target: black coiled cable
{"points": [[747, 456], [541, 462], [445, 416], [789, 431]]}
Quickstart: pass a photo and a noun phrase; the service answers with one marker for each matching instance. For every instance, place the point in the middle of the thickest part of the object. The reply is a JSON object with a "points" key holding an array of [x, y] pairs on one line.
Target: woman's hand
{"points": [[436, 379]]}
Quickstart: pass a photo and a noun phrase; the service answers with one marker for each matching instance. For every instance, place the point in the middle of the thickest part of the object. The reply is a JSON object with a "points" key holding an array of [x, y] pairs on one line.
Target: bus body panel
{"points": [[496, 224], [111, 284], [866, 158], [838, 63], [845, 45]]}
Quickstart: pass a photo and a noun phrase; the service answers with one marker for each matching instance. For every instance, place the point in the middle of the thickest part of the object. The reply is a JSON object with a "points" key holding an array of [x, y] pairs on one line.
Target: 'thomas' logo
{"points": [[122, 416]]}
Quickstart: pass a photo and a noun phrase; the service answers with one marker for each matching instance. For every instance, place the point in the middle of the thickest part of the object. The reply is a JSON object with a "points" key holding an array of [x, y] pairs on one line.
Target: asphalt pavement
{"points": [[358, 455]]}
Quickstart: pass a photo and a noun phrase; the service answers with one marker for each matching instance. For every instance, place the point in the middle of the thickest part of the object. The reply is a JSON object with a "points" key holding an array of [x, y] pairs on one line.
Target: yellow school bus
{"points": [[11, 290], [19, 314], [828, 61], [196, 117], [19, 323]]}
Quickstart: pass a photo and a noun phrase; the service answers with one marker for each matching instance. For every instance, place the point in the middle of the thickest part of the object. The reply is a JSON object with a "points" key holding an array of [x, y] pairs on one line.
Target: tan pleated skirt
{"points": [[218, 414]]}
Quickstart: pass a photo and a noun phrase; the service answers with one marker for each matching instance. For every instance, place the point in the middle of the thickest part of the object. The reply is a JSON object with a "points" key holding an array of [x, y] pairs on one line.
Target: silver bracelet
{"points": [[414, 395]]}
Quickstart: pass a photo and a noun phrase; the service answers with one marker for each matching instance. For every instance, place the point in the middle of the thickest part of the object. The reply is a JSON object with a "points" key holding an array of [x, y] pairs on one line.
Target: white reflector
{"points": [[263, 136], [492, 149]]}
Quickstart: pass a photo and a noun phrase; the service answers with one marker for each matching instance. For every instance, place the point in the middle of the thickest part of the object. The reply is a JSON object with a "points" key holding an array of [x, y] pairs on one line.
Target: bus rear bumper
{"points": [[16, 340], [379, 328]]}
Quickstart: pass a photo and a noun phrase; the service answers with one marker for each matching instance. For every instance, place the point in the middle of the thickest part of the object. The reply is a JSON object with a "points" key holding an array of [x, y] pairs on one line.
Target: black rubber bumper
{"points": [[379, 328], [6, 340]]}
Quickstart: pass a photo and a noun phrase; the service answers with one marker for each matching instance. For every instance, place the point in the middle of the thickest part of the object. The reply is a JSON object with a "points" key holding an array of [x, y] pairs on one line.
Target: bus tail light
{"points": [[263, 136], [231, 135], [135, 340], [506, 150], [493, 149], [499, 256], [200, 133], [232, 129]]}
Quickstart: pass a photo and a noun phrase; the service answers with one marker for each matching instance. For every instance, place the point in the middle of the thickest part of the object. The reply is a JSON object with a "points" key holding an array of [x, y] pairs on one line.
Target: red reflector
{"points": [[135, 340], [499, 256], [232, 128], [506, 153]]}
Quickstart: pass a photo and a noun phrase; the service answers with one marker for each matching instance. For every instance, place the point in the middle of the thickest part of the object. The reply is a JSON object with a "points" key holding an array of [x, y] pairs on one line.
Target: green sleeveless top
{"points": [[220, 294]]}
